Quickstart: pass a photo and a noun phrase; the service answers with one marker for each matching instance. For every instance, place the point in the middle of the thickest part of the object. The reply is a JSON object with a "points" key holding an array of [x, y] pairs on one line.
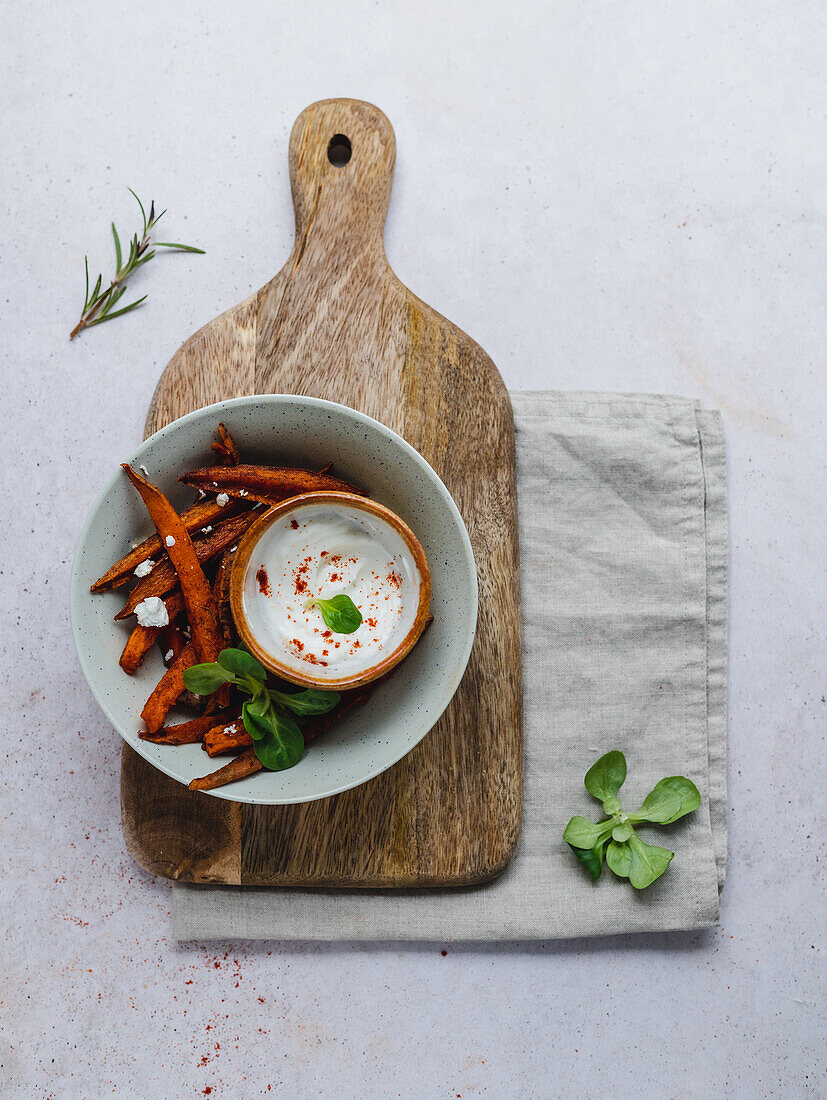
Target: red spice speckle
{"points": [[312, 659], [394, 579], [299, 575], [298, 644], [371, 622], [294, 523], [263, 582], [335, 576]]}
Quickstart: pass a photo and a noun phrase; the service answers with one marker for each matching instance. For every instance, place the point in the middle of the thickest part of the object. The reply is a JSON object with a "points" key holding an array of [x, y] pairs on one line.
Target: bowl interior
{"points": [[306, 432]]}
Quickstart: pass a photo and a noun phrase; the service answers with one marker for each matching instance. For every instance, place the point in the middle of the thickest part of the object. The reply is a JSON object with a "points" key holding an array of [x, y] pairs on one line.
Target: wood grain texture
{"points": [[335, 322]]}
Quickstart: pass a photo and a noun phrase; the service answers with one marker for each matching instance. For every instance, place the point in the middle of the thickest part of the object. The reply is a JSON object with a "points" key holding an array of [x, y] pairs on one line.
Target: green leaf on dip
{"points": [[340, 613]]}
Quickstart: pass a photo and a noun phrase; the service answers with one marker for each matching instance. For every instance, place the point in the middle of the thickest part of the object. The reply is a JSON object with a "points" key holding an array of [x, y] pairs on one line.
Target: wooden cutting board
{"points": [[337, 323]]}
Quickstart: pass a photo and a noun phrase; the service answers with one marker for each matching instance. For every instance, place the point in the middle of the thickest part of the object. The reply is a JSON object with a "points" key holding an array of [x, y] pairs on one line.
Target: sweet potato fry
{"points": [[171, 641], [221, 698], [203, 514], [266, 484], [142, 638], [245, 764], [222, 597], [138, 644], [225, 737], [167, 690], [226, 447], [163, 577], [207, 636], [188, 733]]}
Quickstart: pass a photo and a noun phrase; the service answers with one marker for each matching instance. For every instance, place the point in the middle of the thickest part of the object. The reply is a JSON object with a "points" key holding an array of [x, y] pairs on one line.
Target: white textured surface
{"points": [[609, 196]]}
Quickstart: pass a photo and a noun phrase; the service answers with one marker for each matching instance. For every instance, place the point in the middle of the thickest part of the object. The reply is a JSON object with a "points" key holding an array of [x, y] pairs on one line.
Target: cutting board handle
{"points": [[342, 153]]}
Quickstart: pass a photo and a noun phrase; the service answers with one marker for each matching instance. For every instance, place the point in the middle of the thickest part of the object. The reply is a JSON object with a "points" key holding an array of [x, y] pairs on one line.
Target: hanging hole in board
{"points": [[339, 151]]}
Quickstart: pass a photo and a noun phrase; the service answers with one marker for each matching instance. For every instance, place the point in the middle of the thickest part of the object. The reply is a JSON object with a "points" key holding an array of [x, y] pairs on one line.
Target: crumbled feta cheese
{"points": [[232, 548], [152, 612], [145, 470], [169, 540], [144, 568], [168, 655], [206, 530], [222, 499], [201, 494], [242, 492]]}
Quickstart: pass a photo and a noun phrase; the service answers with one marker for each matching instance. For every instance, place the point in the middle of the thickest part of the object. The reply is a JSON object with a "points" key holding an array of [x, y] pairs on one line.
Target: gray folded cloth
{"points": [[623, 540]]}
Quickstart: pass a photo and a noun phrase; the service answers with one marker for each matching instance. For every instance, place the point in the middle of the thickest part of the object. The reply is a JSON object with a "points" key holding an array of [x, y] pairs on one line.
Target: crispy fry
{"points": [[225, 737], [245, 764], [203, 514], [266, 484], [195, 588], [138, 644], [171, 641], [142, 638], [167, 690], [222, 597], [163, 577], [226, 447], [221, 698], [187, 733]]}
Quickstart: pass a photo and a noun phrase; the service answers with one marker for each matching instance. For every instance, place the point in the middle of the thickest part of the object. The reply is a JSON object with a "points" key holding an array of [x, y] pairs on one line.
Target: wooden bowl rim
{"points": [[241, 562]]}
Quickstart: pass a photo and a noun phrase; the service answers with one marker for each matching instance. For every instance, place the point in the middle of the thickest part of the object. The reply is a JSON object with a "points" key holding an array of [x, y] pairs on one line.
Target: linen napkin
{"points": [[623, 541]]}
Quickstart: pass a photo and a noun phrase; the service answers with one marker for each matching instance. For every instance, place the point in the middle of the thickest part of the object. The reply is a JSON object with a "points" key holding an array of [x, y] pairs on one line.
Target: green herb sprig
{"points": [[340, 613], [98, 306], [269, 714], [625, 853]]}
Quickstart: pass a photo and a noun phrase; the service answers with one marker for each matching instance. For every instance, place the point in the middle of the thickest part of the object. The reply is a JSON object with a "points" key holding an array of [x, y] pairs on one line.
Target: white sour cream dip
{"points": [[316, 552]]}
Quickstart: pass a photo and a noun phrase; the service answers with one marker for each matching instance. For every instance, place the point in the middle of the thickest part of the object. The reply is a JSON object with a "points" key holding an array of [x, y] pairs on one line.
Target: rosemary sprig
{"points": [[99, 305]]}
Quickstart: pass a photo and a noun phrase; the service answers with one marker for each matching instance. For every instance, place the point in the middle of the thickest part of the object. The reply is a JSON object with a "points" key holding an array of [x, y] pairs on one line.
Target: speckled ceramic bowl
{"points": [[301, 431]]}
